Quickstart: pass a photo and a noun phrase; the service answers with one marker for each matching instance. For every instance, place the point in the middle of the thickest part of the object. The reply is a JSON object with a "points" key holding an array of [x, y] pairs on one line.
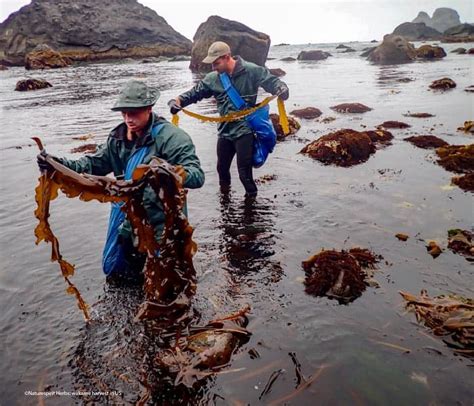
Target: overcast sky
{"points": [[295, 21]]}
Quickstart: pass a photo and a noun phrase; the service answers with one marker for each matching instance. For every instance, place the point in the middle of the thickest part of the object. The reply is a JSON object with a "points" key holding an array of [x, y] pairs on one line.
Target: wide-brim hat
{"points": [[136, 94], [216, 50]]}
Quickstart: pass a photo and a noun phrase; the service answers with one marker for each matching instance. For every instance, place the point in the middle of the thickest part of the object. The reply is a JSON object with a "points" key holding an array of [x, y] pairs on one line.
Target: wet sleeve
{"points": [[95, 164], [201, 90], [269, 82], [180, 150]]}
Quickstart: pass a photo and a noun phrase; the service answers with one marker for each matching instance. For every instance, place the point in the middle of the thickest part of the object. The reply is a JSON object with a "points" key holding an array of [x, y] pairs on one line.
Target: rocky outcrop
{"points": [[459, 33], [32, 84], [430, 52], [393, 50], [314, 55], [443, 19], [443, 84], [84, 30], [417, 32], [251, 45]]}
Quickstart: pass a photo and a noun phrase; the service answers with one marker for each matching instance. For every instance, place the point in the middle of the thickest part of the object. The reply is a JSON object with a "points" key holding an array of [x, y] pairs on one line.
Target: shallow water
{"points": [[247, 253]]}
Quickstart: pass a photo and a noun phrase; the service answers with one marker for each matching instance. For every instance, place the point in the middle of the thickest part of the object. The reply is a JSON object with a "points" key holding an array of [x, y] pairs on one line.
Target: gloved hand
{"points": [[43, 164], [174, 106], [284, 92]]}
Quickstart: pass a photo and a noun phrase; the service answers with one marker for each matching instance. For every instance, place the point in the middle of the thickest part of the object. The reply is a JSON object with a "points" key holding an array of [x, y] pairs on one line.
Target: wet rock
{"points": [[293, 124], [457, 158], [430, 52], [3, 67], [84, 30], [393, 50], [419, 115], [367, 51], [380, 137], [327, 120], [351, 108], [470, 51], [448, 316], [402, 237], [468, 126], [308, 113], [277, 72], [314, 55], [461, 242], [443, 84], [32, 84], [469, 89], [459, 51], [394, 124], [46, 58], [434, 249], [338, 274], [86, 148], [345, 147], [426, 141], [417, 31], [342, 46], [288, 59], [251, 45], [465, 182]]}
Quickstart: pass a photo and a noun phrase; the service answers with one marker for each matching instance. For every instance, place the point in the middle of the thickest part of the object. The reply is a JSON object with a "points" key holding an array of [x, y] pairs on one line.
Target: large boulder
{"points": [[43, 57], [314, 55], [417, 32], [251, 45], [430, 52], [422, 17], [444, 18], [393, 50], [85, 30]]}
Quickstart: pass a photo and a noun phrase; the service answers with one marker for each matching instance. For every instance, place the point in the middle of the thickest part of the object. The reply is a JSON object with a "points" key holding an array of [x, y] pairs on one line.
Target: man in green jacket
{"points": [[168, 142], [234, 138]]}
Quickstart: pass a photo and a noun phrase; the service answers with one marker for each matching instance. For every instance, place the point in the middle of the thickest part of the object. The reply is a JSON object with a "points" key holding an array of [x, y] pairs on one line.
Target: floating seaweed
{"points": [[461, 242], [339, 274], [459, 159], [294, 126], [451, 317]]}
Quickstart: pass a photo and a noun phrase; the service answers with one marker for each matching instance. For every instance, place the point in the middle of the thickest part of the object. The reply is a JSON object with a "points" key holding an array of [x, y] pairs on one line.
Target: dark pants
{"points": [[243, 147]]}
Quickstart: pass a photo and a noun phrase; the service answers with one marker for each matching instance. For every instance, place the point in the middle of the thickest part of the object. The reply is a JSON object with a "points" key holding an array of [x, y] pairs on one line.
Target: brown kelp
{"points": [[169, 277], [450, 316], [339, 274]]}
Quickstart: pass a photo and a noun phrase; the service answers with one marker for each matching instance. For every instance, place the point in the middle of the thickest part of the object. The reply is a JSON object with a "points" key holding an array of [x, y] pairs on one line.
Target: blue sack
{"points": [[113, 258], [259, 121]]}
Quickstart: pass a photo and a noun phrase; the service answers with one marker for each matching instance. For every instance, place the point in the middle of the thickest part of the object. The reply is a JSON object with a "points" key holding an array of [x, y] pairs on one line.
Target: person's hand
{"points": [[43, 164], [174, 105], [181, 172], [283, 92]]}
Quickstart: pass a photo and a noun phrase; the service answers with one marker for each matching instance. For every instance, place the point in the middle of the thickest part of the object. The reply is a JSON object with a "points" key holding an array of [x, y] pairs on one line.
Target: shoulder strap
{"points": [[231, 91]]}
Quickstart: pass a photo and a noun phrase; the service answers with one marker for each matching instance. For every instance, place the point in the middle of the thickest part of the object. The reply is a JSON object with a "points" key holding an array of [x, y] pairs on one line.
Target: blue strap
{"points": [[232, 92], [113, 259]]}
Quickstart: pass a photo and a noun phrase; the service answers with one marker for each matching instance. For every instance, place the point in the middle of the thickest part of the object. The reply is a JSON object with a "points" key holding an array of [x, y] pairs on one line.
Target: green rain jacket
{"points": [[171, 144], [246, 78]]}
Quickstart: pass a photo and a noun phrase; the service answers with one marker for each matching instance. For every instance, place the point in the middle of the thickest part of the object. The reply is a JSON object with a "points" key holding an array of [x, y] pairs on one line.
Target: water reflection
{"points": [[248, 238]]}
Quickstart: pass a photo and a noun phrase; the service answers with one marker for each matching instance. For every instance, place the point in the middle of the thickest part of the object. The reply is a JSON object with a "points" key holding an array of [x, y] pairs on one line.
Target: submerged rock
{"points": [[351, 108], [288, 59], [342, 46], [338, 274], [418, 115], [461, 242], [344, 147], [314, 55], [87, 148], [32, 84], [443, 84], [450, 317], [469, 89], [43, 57], [277, 72], [251, 45], [394, 124], [430, 52], [426, 141], [307, 113], [292, 122], [459, 51]]}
